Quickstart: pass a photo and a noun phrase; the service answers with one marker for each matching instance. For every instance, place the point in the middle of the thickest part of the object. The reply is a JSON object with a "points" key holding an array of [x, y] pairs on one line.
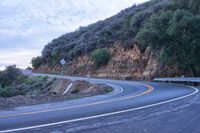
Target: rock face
{"points": [[124, 64]]}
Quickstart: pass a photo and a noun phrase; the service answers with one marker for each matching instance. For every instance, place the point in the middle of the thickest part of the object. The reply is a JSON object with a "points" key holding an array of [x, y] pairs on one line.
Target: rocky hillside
{"points": [[156, 38]]}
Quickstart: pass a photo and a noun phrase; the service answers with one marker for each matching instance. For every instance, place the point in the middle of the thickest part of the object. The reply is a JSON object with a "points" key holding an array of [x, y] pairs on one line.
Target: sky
{"points": [[26, 26]]}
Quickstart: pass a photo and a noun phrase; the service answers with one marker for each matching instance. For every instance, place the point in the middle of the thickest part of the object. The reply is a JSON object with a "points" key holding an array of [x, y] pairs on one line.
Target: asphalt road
{"points": [[132, 107]]}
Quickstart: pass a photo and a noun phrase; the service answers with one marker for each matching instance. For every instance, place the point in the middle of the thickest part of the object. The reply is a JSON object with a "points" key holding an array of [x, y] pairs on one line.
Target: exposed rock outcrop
{"points": [[124, 64]]}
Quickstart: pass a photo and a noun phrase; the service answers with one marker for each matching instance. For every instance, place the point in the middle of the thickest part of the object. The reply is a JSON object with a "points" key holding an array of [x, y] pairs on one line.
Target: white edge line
{"points": [[102, 115], [73, 79]]}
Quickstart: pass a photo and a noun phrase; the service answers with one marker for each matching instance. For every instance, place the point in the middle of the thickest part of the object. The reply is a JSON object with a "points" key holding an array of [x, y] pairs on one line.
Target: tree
{"points": [[36, 62], [2, 79], [194, 6], [177, 35], [154, 33], [9, 75], [100, 57], [185, 36]]}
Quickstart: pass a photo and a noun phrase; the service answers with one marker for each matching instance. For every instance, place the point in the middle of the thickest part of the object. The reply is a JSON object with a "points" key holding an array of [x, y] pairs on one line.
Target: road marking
{"points": [[27, 113], [150, 88], [101, 115]]}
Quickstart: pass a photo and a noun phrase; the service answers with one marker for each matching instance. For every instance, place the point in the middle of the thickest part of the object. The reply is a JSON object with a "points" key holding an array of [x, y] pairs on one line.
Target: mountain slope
{"points": [[156, 38]]}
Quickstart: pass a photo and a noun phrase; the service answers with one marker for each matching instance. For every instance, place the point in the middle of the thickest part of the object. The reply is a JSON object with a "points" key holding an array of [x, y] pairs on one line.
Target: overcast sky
{"points": [[27, 25]]}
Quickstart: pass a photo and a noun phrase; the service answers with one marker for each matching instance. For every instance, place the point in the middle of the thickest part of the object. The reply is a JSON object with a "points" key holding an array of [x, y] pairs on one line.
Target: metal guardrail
{"points": [[189, 81]]}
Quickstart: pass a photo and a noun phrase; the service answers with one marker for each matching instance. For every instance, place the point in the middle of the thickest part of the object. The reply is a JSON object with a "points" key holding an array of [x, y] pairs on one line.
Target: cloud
{"points": [[19, 57], [31, 24]]}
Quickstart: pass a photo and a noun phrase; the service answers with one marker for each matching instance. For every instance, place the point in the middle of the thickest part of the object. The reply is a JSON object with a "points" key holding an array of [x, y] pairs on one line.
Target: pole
{"points": [[62, 70], [62, 62]]}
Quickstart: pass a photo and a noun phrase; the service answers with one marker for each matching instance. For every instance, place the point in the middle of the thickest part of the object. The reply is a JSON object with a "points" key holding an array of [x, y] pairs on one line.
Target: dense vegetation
{"points": [[170, 26], [100, 57], [13, 83], [177, 34], [36, 62], [9, 75]]}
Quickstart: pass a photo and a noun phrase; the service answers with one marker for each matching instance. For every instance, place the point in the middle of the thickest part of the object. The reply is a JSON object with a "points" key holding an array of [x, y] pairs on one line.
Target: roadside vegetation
{"points": [[13, 83], [19, 89], [176, 32], [100, 57], [169, 26], [36, 62]]}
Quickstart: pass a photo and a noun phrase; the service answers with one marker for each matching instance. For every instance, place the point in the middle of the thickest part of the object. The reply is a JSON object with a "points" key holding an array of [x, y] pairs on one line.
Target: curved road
{"points": [[127, 97]]}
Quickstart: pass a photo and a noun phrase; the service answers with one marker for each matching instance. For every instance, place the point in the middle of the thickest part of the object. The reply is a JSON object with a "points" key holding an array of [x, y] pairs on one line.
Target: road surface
{"points": [[132, 107]]}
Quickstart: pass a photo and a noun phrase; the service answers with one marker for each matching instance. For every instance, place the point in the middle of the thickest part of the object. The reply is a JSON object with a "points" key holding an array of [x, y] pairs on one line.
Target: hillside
{"points": [[157, 38], [17, 89]]}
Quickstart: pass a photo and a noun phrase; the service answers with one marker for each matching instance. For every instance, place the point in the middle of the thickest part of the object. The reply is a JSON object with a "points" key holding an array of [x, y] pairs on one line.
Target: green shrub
{"points": [[10, 92], [100, 57], [108, 89], [29, 81], [9, 75], [177, 35], [36, 62]]}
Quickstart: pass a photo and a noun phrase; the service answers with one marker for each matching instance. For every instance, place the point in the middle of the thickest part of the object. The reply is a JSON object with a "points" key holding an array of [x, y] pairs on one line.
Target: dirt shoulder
{"points": [[53, 90]]}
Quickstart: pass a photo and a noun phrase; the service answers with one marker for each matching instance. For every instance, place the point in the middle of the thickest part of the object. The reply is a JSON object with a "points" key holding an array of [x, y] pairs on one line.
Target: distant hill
{"points": [[156, 38]]}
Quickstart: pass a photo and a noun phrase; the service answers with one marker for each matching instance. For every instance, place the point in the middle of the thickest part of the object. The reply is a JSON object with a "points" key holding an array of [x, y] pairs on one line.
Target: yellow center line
{"points": [[150, 88]]}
